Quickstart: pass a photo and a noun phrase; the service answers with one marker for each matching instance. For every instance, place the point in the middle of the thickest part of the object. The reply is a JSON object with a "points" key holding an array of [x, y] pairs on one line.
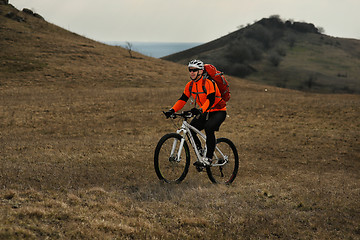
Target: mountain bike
{"points": [[172, 155]]}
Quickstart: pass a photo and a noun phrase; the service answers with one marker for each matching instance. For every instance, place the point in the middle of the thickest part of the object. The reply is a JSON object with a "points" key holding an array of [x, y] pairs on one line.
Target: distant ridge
{"points": [[156, 49], [286, 54]]}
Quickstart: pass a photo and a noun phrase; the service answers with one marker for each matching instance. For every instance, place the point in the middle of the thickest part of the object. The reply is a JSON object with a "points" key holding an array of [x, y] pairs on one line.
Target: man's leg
{"points": [[212, 125]]}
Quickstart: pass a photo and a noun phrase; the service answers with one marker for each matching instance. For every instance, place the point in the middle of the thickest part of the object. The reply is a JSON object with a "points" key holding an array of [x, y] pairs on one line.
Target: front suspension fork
{"points": [[173, 149]]}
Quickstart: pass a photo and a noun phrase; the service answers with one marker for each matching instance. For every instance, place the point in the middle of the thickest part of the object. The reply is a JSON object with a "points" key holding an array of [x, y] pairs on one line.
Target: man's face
{"points": [[195, 73]]}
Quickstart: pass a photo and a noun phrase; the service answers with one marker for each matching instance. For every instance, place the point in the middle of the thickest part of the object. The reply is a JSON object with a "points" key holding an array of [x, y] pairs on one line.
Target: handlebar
{"points": [[184, 114]]}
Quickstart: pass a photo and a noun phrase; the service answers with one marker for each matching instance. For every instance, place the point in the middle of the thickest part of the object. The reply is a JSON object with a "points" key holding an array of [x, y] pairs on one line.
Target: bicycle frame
{"points": [[185, 131]]}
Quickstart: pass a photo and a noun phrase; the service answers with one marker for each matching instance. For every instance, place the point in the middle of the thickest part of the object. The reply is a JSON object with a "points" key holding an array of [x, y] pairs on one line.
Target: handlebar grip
{"points": [[170, 116], [184, 114]]}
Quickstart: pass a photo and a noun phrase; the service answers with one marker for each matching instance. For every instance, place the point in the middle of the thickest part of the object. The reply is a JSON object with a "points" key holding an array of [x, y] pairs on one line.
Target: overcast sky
{"points": [[189, 20]]}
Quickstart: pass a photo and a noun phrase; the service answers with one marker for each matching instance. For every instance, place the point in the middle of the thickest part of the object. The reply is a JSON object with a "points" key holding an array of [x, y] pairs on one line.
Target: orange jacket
{"points": [[209, 100]]}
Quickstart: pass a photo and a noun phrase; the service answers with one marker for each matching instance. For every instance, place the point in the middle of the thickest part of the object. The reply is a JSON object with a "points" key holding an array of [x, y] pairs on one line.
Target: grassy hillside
{"points": [[42, 53], [284, 54], [79, 122]]}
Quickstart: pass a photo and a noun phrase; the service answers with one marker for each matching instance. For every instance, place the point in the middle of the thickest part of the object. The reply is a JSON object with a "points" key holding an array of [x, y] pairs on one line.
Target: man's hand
{"points": [[196, 111], [169, 113]]}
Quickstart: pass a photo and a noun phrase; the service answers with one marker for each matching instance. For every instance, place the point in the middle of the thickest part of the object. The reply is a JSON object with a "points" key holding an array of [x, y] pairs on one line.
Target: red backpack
{"points": [[220, 81]]}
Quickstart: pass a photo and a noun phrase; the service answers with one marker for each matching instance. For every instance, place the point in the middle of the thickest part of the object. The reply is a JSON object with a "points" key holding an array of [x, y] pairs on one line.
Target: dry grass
{"points": [[83, 167], [77, 156]]}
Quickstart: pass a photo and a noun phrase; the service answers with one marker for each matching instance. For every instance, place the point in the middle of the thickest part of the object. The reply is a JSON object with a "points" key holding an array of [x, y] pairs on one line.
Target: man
{"points": [[212, 112]]}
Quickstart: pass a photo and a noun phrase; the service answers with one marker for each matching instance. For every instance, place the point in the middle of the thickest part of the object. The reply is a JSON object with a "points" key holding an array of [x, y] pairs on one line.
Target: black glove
{"points": [[196, 111], [169, 113]]}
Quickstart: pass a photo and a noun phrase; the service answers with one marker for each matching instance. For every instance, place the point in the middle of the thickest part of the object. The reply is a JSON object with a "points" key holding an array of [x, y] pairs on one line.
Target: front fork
{"points": [[177, 156]]}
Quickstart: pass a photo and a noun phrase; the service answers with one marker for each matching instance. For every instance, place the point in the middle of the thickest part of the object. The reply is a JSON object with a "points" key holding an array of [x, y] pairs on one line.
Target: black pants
{"points": [[211, 124]]}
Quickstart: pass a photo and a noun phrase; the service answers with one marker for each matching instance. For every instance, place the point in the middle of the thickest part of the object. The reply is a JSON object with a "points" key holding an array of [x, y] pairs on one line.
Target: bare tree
{"points": [[129, 48], [321, 30]]}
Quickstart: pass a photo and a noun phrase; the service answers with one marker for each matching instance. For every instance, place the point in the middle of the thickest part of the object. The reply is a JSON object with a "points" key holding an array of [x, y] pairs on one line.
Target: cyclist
{"points": [[212, 111]]}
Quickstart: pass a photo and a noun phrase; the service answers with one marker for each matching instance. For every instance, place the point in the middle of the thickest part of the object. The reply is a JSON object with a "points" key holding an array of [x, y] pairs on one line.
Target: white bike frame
{"points": [[185, 131]]}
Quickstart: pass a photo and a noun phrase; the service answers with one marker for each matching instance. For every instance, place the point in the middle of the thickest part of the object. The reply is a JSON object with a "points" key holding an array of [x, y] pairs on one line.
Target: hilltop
{"points": [[79, 122], [286, 54]]}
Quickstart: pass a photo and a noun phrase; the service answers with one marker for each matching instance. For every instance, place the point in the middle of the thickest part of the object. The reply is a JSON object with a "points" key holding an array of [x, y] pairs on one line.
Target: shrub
{"points": [[239, 69], [281, 51], [292, 41], [261, 34], [243, 51], [304, 27], [275, 59], [238, 52]]}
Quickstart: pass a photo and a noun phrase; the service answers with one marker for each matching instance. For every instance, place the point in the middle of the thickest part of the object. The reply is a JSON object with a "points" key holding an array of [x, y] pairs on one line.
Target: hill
{"points": [[285, 54], [42, 53], [79, 122]]}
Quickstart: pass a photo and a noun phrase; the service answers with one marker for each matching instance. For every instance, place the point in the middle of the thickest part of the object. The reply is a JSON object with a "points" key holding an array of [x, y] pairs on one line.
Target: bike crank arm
{"points": [[223, 162], [218, 164]]}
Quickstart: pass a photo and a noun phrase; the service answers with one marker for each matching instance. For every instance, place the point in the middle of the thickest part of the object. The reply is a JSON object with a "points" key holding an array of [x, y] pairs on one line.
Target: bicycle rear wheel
{"points": [[225, 154], [168, 166]]}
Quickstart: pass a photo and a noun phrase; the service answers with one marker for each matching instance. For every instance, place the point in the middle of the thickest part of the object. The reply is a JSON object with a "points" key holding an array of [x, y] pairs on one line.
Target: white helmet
{"points": [[196, 64]]}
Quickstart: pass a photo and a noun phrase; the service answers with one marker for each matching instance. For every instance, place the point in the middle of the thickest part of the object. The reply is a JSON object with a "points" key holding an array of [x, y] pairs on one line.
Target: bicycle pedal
{"points": [[199, 164], [199, 169]]}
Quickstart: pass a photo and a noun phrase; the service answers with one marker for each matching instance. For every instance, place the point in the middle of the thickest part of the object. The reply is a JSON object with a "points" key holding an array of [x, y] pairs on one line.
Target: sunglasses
{"points": [[193, 70]]}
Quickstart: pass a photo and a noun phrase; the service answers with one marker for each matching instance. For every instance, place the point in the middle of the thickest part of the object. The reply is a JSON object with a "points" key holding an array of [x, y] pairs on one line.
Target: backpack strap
{"points": [[203, 87], [197, 93]]}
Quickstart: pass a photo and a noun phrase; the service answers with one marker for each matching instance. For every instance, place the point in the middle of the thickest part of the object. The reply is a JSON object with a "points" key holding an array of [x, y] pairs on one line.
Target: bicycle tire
{"points": [[225, 174], [168, 169]]}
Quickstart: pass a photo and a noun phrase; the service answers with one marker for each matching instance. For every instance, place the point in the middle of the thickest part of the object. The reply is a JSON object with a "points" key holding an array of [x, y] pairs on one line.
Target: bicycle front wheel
{"points": [[225, 161], [171, 161]]}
